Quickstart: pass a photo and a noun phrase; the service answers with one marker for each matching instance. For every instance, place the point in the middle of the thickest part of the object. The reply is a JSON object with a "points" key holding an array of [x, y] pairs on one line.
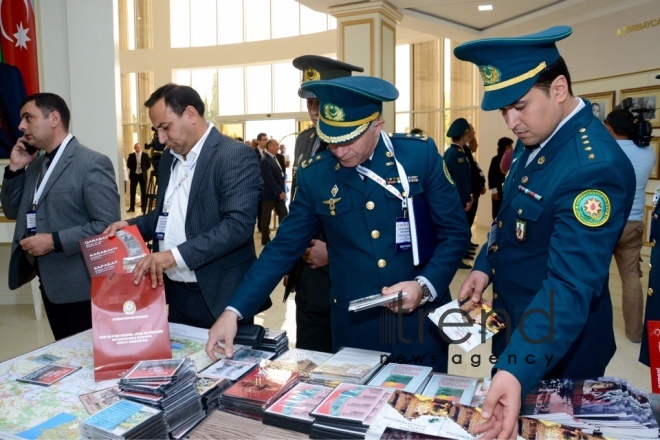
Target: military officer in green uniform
{"points": [[457, 162], [359, 191], [566, 200]]}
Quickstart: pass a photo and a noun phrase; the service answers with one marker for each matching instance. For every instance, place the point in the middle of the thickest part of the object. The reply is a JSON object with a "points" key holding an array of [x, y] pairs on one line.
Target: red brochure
{"points": [[653, 327], [106, 255]]}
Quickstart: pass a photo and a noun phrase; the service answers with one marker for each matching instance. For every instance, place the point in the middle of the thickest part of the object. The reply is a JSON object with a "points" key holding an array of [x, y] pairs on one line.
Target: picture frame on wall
{"points": [[601, 103], [648, 212], [655, 145], [645, 98]]}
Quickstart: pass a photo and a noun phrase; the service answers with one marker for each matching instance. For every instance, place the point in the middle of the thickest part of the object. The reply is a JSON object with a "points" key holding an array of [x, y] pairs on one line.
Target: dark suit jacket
{"points": [[80, 199], [495, 174], [221, 213], [273, 178], [477, 179], [281, 160], [13, 92], [131, 164]]}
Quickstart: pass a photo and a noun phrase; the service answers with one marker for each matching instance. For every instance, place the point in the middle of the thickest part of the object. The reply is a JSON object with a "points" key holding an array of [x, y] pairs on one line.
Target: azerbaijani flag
{"points": [[18, 40]]}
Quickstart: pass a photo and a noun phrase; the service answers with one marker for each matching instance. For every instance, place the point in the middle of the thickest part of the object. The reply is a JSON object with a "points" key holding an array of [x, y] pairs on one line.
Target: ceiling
{"points": [[510, 17]]}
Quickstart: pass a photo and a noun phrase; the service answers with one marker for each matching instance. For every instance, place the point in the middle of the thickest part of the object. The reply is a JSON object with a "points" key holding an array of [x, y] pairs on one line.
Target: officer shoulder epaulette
{"points": [[319, 157], [408, 136], [587, 152]]}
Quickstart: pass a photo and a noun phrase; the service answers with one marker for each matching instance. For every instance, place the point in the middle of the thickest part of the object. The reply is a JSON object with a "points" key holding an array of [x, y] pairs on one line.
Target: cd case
{"points": [[374, 300]]}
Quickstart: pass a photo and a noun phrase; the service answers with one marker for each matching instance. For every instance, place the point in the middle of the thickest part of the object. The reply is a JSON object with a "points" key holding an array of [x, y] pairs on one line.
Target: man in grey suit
{"points": [[56, 198], [206, 206]]}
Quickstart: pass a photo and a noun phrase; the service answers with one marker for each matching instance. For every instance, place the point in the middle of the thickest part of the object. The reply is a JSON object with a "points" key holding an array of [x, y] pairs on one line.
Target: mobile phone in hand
{"points": [[29, 148]]}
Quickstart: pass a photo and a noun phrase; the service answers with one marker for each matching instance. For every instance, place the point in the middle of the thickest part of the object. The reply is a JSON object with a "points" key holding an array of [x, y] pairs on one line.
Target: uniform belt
{"points": [[184, 284]]}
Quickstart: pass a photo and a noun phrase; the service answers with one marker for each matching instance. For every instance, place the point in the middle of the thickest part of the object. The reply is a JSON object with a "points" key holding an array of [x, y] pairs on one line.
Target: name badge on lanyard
{"points": [[31, 218], [403, 240], [161, 226]]}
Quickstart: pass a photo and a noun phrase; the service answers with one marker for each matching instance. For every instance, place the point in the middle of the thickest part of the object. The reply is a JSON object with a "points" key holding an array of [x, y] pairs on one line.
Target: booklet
{"points": [[374, 300], [97, 400], [401, 376], [479, 321], [105, 255], [458, 389], [48, 375]]}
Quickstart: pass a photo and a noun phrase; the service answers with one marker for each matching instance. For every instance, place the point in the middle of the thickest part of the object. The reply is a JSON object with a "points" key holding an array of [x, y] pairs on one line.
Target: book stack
{"points": [[349, 365], [251, 395], [238, 366], [402, 376], [299, 361], [458, 389], [348, 411], [276, 341], [209, 389], [168, 385], [124, 420], [291, 411]]}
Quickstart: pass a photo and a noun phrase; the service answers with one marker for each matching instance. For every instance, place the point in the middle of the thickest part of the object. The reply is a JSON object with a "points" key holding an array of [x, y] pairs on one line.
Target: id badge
{"points": [[31, 217], [403, 235], [161, 225], [492, 237]]}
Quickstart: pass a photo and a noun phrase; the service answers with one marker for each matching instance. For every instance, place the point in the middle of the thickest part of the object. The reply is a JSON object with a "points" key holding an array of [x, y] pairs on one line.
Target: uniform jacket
{"points": [[273, 177], [80, 199], [477, 179], [652, 308], [220, 217], [131, 163], [459, 169], [495, 175], [358, 218], [550, 260]]}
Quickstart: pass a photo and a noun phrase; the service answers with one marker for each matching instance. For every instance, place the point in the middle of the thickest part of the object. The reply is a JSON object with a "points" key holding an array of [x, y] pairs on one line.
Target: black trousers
{"points": [[139, 179], [266, 213], [187, 304], [67, 319]]}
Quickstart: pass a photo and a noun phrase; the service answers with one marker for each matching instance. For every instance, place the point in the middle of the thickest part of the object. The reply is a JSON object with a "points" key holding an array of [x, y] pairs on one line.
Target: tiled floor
{"points": [[22, 333]]}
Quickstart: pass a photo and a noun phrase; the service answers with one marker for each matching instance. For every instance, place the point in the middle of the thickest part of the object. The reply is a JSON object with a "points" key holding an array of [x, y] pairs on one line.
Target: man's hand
{"points": [[468, 205], [20, 157], [38, 244], [495, 196], [155, 264], [409, 302], [316, 254], [483, 190], [223, 331], [114, 227], [283, 196], [474, 286], [501, 407]]}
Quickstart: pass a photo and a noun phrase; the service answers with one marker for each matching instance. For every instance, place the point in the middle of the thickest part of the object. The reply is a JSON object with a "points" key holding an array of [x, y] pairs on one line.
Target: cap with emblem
{"points": [[457, 128], [348, 105], [510, 66], [316, 67]]}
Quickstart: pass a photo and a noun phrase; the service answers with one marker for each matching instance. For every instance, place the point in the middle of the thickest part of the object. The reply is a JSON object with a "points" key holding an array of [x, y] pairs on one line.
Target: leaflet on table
{"points": [[300, 401], [402, 376], [48, 375], [374, 300], [119, 254], [479, 322], [129, 324], [350, 364]]}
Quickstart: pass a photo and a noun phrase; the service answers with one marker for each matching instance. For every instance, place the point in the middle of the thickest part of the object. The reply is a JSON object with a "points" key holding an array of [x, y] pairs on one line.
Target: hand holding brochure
{"points": [[374, 300]]}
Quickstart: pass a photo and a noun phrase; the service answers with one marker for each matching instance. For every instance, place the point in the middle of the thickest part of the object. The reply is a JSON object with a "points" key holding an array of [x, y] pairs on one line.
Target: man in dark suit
{"points": [[354, 192], [13, 92], [138, 164], [274, 192], [203, 224], [310, 276], [64, 195], [570, 184]]}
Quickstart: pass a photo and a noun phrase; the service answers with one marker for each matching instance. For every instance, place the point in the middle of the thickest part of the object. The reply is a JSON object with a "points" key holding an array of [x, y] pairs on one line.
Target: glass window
{"points": [[203, 81], [258, 86], [286, 18], [180, 23], [231, 89], [203, 15], [230, 21], [130, 24], [403, 77], [312, 21], [181, 76], [257, 20], [285, 88]]}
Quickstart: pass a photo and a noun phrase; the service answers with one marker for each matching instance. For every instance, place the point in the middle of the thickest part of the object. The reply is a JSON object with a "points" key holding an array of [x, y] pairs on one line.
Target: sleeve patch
{"points": [[592, 208]]}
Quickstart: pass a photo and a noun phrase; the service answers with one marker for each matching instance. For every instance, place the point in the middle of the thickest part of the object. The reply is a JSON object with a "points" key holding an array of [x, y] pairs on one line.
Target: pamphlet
{"points": [[119, 254], [480, 322], [401, 376]]}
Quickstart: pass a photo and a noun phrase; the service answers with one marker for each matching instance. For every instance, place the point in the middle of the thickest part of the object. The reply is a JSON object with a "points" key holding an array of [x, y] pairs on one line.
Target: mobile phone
{"points": [[29, 148]]}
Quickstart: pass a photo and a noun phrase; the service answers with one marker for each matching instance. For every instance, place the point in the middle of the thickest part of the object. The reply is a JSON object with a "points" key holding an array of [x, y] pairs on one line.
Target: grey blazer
{"points": [[80, 199], [220, 217]]}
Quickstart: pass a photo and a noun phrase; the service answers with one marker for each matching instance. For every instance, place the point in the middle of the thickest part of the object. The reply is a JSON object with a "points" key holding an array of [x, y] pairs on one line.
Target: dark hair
{"points": [[621, 121], [261, 134], [177, 97], [502, 144], [416, 131], [50, 102], [551, 72]]}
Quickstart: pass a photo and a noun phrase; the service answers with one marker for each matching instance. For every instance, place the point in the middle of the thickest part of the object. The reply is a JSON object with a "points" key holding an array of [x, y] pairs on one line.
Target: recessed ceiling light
{"points": [[485, 7]]}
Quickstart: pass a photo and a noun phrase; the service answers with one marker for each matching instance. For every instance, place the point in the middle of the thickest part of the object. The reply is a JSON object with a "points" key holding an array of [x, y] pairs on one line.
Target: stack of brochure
{"points": [[251, 395], [243, 361], [300, 361], [402, 376], [348, 411], [350, 365], [274, 340], [292, 410], [124, 420], [168, 385]]}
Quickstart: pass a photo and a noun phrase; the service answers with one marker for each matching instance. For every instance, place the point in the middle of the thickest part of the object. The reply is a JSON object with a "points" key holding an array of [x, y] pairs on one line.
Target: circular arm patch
{"points": [[592, 208]]}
